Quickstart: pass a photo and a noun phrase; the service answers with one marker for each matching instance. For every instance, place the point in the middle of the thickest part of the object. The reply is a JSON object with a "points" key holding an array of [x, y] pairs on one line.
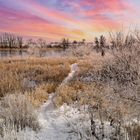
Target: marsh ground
{"points": [[108, 85]]}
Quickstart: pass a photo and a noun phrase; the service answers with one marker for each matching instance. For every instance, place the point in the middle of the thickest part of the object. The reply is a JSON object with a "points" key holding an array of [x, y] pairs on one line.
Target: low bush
{"points": [[18, 113], [133, 131]]}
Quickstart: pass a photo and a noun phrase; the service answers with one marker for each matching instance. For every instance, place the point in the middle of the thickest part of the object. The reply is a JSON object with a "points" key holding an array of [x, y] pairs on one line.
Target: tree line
{"points": [[8, 40]]}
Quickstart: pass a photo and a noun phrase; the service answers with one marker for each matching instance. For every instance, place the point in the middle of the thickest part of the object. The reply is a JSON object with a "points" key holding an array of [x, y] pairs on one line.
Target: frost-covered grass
{"points": [[70, 122], [17, 113], [36, 77], [88, 96]]}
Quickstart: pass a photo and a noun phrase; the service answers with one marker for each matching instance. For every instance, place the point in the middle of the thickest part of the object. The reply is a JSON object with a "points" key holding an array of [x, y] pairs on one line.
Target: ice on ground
{"points": [[68, 123], [64, 123], [74, 70]]}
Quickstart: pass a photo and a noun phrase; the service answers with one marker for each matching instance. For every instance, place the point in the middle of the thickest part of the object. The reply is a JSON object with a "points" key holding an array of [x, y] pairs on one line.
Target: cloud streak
{"points": [[73, 19]]}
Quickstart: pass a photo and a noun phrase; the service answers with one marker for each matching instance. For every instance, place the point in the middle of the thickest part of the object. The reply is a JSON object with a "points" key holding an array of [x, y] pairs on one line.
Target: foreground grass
{"points": [[19, 75], [38, 77], [108, 85]]}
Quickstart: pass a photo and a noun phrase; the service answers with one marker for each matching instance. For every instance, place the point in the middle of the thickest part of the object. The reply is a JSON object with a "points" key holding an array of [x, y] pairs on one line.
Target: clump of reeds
{"points": [[17, 113]]}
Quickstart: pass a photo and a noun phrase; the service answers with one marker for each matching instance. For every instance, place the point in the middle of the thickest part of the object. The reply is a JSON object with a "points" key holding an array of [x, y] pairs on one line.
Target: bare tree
{"points": [[97, 46], [41, 43], [8, 40], [11, 40], [20, 41], [31, 43], [102, 45], [65, 43], [83, 41]]}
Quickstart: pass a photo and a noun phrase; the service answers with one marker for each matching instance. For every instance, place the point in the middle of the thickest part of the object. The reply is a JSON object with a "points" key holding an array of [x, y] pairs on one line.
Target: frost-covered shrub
{"points": [[79, 51], [16, 112], [119, 98], [12, 134], [133, 131]]}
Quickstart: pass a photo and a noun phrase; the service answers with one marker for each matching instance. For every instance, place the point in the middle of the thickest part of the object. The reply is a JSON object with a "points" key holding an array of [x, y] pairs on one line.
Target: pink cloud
{"points": [[88, 16]]}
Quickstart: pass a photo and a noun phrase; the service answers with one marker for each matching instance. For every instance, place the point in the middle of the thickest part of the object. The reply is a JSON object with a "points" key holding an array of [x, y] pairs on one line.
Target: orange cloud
{"points": [[71, 19]]}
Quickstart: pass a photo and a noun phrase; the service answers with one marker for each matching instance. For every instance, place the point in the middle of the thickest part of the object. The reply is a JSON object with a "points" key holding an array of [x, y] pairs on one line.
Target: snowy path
{"points": [[64, 123], [67, 122], [53, 121]]}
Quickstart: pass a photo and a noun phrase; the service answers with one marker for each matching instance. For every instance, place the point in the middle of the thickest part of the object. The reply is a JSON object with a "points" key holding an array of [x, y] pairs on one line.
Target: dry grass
{"points": [[47, 73], [77, 91], [112, 89], [17, 74], [18, 113], [118, 78], [40, 94], [133, 131]]}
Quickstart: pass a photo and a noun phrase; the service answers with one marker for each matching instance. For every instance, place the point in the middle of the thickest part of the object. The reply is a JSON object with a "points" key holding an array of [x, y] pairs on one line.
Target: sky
{"points": [[73, 19]]}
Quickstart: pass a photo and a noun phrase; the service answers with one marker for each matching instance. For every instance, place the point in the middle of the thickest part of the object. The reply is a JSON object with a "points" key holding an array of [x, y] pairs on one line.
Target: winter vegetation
{"points": [[91, 91]]}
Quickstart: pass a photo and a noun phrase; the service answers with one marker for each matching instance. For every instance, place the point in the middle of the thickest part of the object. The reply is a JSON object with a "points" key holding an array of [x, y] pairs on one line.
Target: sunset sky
{"points": [[74, 19]]}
